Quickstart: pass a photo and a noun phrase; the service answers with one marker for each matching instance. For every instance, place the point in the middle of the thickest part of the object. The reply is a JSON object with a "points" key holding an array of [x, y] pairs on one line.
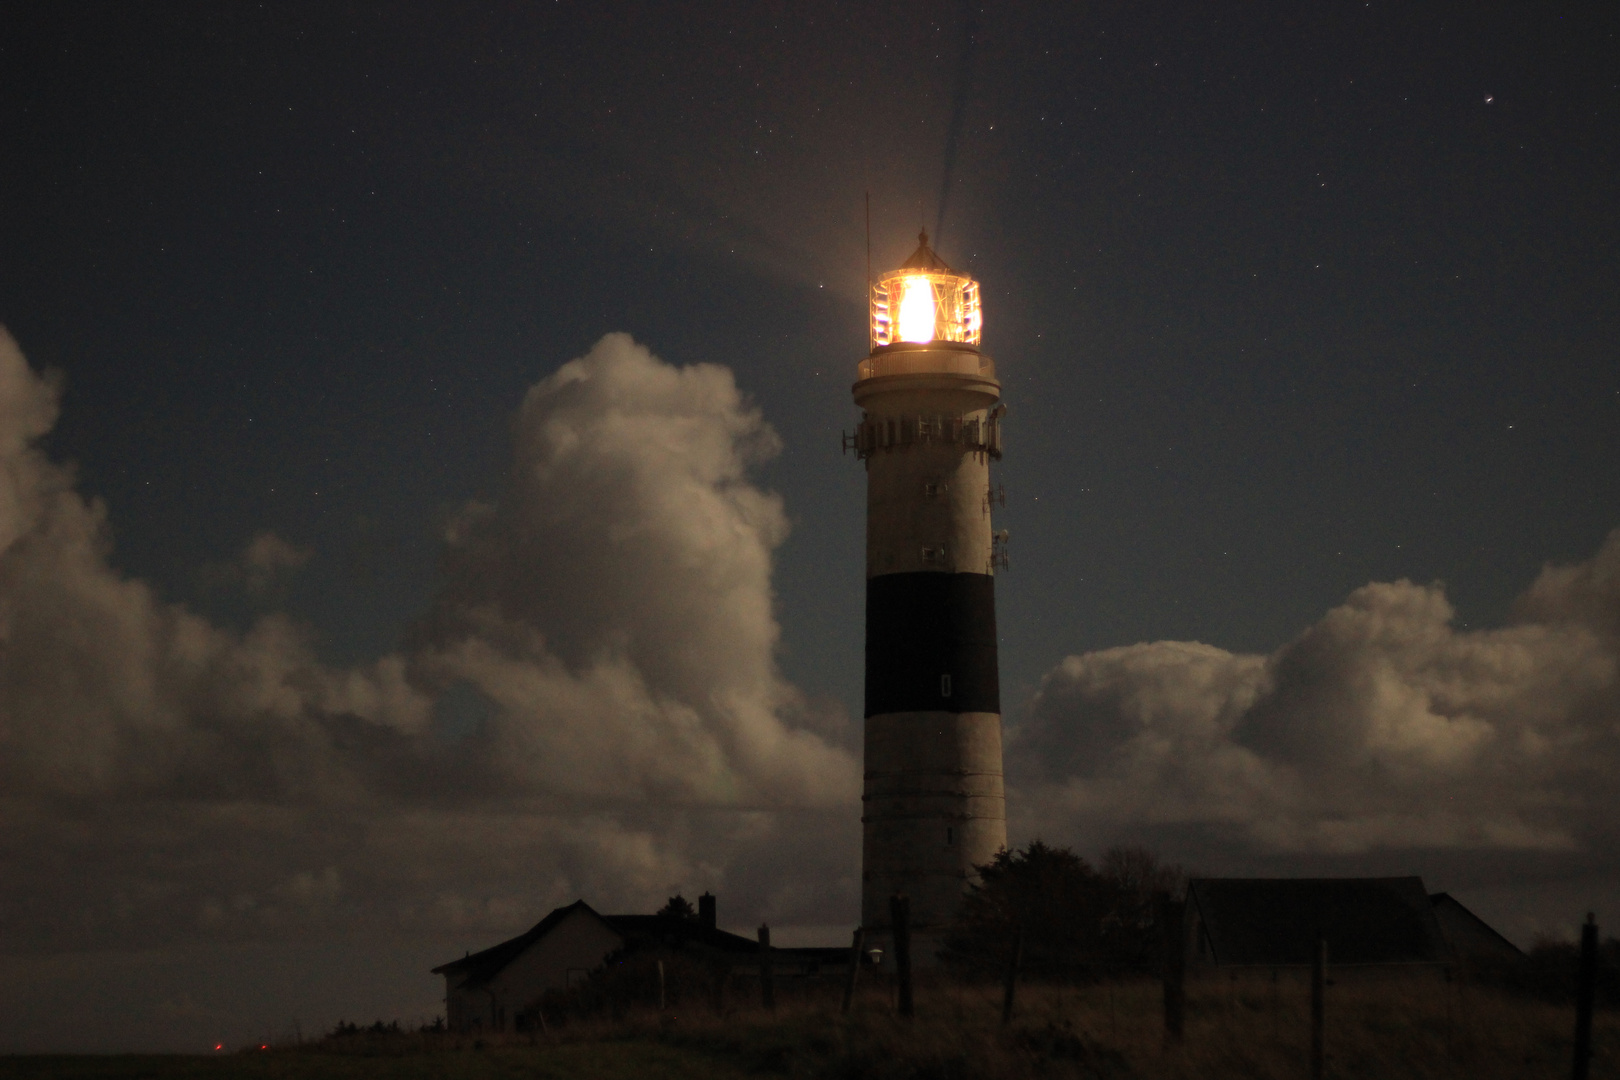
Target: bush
{"points": [[1078, 923]]}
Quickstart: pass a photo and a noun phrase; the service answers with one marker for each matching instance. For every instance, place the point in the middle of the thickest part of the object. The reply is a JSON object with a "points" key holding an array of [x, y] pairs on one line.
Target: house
{"points": [[499, 988]]}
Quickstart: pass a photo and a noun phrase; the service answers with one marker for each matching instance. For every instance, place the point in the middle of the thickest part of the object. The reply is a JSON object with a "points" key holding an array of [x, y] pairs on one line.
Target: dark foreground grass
{"points": [[1258, 1031], [606, 1059]]}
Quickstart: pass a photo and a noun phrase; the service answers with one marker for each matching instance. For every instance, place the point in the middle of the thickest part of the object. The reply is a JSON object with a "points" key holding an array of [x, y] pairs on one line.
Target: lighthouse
{"points": [[933, 804]]}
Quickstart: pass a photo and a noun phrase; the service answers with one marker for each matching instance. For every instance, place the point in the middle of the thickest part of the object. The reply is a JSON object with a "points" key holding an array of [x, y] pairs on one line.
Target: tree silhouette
{"points": [[678, 907], [1077, 922]]}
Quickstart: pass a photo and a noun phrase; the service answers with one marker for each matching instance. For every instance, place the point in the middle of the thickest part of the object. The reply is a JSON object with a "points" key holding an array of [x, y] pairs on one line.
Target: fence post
{"points": [[1319, 1010], [1585, 995], [900, 918], [854, 968], [660, 986], [1012, 975], [767, 989], [1172, 919]]}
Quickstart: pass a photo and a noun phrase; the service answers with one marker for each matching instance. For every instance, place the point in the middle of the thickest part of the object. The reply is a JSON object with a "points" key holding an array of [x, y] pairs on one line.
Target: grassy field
{"points": [[1102, 1031]]}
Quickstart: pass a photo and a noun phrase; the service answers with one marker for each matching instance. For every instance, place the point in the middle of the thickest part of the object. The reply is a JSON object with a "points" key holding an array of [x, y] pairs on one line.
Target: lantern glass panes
{"points": [[922, 306]]}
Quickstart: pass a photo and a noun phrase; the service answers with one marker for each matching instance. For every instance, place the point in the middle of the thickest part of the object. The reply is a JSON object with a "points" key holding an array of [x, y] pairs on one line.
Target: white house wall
{"points": [[578, 944]]}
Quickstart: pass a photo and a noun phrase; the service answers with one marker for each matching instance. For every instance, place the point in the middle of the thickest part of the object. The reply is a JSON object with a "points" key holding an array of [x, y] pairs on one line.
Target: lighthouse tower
{"points": [[934, 806]]}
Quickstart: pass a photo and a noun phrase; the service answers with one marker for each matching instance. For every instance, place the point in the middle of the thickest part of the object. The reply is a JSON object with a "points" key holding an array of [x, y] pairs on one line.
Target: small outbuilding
{"points": [[1376, 926], [1473, 941], [1276, 923]]}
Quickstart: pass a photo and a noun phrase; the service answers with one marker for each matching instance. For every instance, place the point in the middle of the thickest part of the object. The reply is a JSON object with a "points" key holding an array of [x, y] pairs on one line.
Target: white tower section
{"points": [[934, 806]]}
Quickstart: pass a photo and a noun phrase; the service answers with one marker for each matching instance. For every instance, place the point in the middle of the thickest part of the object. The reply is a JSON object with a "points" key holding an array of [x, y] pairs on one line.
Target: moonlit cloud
{"points": [[616, 609], [1383, 726]]}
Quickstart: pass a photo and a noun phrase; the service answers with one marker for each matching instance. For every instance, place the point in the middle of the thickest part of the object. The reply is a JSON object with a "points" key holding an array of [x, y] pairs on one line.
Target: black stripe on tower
{"points": [[931, 644]]}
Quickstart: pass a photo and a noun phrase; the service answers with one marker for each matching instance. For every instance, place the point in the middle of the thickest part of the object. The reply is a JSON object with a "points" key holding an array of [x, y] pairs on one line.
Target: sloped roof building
{"points": [[1473, 940], [499, 988], [1276, 922], [1367, 923]]}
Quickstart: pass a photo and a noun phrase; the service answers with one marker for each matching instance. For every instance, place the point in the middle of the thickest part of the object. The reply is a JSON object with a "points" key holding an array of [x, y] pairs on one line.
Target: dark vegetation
{"points": [[1548, 973], [677, 907], [345, 1030], [1110, 1027], [1077, 922]]}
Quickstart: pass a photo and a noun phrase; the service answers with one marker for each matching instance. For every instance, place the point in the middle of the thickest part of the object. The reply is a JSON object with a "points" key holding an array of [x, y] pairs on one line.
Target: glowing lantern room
{"points": [[924, 301]]}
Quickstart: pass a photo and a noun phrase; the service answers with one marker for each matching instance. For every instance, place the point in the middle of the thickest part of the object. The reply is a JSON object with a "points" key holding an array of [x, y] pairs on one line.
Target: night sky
{"points": [[1306, 317]]}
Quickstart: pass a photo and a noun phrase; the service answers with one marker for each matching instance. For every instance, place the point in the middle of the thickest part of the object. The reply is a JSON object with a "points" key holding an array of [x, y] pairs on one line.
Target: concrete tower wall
{"points": [[934, 805]]}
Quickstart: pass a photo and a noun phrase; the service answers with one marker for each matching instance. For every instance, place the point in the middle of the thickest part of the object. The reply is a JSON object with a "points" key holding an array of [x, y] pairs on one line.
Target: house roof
{"points": [[645, 930], [1277, 921], [1469, 935], [482, 966], [632, 930]]}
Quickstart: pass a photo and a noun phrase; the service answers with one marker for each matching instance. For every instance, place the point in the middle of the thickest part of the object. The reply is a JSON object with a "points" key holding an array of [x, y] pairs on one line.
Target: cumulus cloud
{"points": [[616, 607], [104, 689], [1383, 726], [606, 631]]}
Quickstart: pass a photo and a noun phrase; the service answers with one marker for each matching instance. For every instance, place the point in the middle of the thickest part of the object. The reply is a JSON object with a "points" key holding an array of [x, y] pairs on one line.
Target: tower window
{"points": [[933, 556], [950, 836], [944, 686]]}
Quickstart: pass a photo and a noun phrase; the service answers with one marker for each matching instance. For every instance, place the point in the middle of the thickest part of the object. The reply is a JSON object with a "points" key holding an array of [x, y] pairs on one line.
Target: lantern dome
{"points": [[925, 301]]}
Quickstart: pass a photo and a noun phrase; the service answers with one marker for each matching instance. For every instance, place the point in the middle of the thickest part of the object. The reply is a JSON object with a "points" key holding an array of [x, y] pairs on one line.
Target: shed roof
{"points": [[1277, 921], [1470, 936]]}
